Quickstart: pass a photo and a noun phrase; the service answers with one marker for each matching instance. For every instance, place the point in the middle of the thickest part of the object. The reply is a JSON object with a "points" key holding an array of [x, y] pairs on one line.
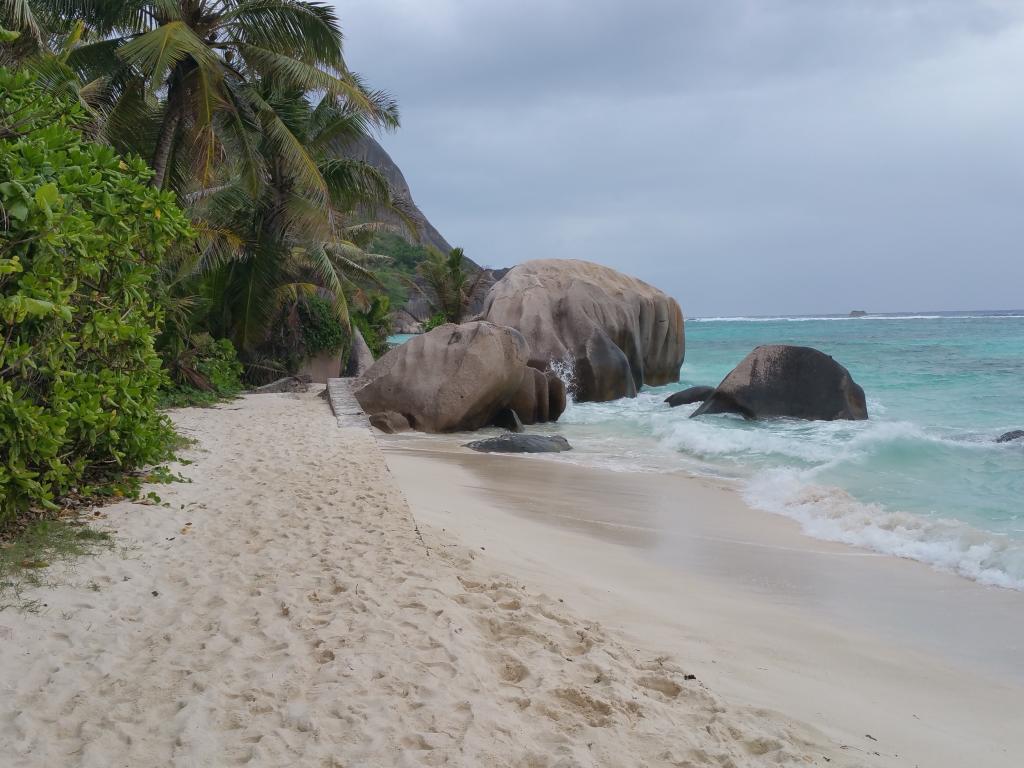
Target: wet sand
{"points": [[884, 655]]}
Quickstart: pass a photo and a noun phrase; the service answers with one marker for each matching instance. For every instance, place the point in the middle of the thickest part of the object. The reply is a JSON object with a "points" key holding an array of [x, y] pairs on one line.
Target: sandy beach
{"points": [[309, 599]]}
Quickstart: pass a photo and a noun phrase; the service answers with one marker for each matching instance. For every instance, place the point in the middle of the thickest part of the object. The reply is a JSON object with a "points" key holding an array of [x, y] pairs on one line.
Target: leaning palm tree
{"points": [[265, 248]]}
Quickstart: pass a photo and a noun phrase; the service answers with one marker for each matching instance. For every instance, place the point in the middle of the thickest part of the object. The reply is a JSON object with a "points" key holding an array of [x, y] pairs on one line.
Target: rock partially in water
{"points": [[784, 380], [454, 378], [1007, 437], [689, 395], [540, 397], [513, 443], [615, 332], [390, 422], [508, 419]]}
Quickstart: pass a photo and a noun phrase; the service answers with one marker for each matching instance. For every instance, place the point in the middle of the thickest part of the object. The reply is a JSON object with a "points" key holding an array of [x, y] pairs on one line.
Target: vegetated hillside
{"points": [[408, 249]]}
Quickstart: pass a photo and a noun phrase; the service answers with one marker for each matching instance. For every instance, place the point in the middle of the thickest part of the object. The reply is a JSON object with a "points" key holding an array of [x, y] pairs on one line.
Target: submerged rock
{"points": [[512, 443], [616, 332], [689, 395], [1007, 437], [783, 380]]}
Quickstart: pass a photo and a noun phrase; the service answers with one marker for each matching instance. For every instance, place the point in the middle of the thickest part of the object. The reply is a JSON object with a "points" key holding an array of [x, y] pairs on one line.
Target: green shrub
{"points": [[321, 329], [434, 321], [205, 372], [375, 324], [81, 235]]}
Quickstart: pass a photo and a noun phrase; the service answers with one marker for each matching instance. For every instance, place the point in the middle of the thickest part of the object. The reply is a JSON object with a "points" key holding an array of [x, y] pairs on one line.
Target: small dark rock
{"points": [[1006, 437], [690, 395], [508, 419], [513, 443], [390, 422]]}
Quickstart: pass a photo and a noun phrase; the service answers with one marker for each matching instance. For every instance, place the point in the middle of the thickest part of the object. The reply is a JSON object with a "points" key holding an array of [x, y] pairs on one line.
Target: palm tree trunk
{"points": [[164, 142], [169, 129]]}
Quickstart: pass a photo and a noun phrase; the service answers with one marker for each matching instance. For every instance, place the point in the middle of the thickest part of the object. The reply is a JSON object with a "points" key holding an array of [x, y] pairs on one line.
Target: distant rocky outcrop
{"points": [[616, 333], [858, 313], [782, 380], [512, 443], [368, 150], [360, 358], [454, 378], [689, 395], [1006, 437]]}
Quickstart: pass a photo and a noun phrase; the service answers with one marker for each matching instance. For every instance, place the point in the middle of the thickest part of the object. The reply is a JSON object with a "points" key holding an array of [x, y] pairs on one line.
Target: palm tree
{"points": [[187, 72], [451, 287], [281, 243]]}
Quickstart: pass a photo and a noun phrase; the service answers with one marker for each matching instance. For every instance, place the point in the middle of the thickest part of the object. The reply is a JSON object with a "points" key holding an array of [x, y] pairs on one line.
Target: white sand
{"points": [[286, 611]]}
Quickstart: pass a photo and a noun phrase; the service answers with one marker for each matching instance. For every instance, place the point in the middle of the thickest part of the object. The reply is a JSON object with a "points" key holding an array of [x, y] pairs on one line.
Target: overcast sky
{"points": [[747, 156]]}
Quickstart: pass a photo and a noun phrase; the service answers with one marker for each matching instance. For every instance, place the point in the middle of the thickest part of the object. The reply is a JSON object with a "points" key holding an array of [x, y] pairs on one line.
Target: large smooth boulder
{"points": [[782, 380], [512, 443], [360, 358], [540, 397], [689, 395], [616, 332], [456, 377]]}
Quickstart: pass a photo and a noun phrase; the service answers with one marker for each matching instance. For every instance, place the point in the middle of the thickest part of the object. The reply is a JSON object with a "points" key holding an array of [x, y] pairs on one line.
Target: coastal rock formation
{"points": [[616, 332], [1007, 437], [782, 380], [360, 358], [508, 419], [390, 422], [689, 395], [540, 397], [456, 377], [512, 443]]}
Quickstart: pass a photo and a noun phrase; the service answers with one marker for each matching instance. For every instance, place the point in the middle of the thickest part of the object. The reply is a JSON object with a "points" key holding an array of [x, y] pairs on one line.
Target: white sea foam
{"points": [[832, 514]]}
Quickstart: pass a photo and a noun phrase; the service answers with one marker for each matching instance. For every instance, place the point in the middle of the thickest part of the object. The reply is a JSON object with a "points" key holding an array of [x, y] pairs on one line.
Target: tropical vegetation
{"points": [[82, 235], [450, 285], [181, 211]]}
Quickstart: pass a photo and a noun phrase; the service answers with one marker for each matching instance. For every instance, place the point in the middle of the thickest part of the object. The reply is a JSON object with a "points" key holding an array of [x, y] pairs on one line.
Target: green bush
{"points": [[375, 324], [81, 235], [434, 321], [206, 372], [321, 329]]}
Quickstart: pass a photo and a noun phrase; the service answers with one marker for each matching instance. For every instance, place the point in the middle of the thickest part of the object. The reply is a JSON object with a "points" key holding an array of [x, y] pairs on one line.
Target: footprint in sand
{"points": [[662, 685]]}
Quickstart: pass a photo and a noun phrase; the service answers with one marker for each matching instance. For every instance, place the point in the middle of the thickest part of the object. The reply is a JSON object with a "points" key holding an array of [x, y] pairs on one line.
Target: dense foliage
{"points": [[321, 331], [240, 244], [208, 372], [374, 323], [81, 238], [451, 285]]}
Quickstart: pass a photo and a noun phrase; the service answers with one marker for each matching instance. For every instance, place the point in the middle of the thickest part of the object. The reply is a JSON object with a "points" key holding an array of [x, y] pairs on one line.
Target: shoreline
{"points": [[850, 636], [285, 607]]}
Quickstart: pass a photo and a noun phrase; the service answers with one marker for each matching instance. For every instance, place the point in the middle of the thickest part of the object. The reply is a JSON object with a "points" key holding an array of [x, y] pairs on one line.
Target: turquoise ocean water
{"points": [[922, 478]]}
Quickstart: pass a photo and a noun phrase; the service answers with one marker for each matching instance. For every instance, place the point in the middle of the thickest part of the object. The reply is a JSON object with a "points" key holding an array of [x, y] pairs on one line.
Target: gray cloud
{"points": [[750, 157]]}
